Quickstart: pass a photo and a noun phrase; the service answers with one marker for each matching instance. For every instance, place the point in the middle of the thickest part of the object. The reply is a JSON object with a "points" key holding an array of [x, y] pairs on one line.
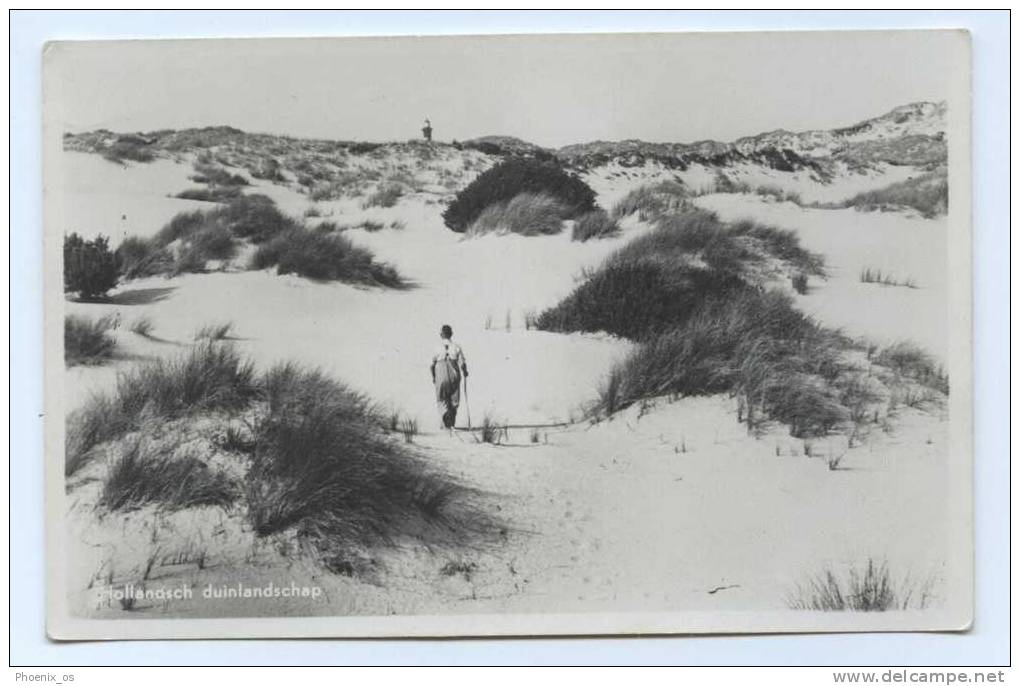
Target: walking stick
{"points": [[467, 405]]}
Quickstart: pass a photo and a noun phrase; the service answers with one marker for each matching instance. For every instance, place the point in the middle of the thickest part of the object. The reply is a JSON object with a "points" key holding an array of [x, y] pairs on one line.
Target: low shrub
{"points": [[90, 267], [527, 214], [513, 177], [87, 340], [596, 224]]}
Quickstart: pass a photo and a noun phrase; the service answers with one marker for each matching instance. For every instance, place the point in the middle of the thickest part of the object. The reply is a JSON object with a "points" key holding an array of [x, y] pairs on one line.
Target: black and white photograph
{"points": [[516, 335]]}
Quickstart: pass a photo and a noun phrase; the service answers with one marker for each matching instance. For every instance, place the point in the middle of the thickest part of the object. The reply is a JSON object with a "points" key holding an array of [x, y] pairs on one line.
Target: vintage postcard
{"points": [[508, 335]]}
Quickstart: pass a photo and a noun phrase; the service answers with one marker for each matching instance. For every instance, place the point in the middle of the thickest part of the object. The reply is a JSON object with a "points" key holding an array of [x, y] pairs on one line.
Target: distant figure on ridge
{"points": [[447, 364], [426, 130]]}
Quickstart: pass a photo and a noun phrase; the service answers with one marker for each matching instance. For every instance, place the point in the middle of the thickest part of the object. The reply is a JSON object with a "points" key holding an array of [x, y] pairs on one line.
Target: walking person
{"points": [[448, 363]]}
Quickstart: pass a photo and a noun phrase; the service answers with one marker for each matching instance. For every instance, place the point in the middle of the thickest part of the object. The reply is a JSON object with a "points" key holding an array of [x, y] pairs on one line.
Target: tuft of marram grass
{"points": [[867, 588], [87, 340], [214, 332], [527, 214], [209, 377], [327, 257], [142, 326], [593, 225], [148, 472], [870, 275]]}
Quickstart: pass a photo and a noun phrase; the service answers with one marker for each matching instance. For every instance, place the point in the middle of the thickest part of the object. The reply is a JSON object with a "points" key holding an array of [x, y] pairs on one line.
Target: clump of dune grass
{"points": [[142, 326], [324, 468], [927, 193], [491, 431], [325, 257], [387, 195], [214, 332], [209, 377], [527, 214], [869, 275], [595, 224], [651, 201], [868, 588], [149, 472], [799, 282], [409, 429], [658, 279], [218, 194], [909, 360], [213, 175], [192, 239], [369, 226], [87, 340]]}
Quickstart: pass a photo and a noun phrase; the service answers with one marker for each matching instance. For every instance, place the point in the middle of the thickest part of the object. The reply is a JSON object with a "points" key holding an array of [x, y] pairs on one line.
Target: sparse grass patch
{"points": [[869, 275], [491, 431], [652, 200], [909, 360], [386, 195], [87, 340], [869, 588]]}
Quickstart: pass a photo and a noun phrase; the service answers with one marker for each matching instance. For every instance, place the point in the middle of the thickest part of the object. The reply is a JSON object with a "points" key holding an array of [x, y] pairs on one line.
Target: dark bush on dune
{"points": [[87, 340], [90, 268], [323, 466], [325, 256], [513, 177]]}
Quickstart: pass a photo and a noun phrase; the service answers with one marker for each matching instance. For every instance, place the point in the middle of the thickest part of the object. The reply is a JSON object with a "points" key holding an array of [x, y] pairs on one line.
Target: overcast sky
{"points": [[551, 90]]}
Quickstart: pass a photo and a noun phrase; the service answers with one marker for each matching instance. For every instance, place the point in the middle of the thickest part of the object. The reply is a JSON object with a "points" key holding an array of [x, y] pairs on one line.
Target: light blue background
{"points": [[987, 644]]}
